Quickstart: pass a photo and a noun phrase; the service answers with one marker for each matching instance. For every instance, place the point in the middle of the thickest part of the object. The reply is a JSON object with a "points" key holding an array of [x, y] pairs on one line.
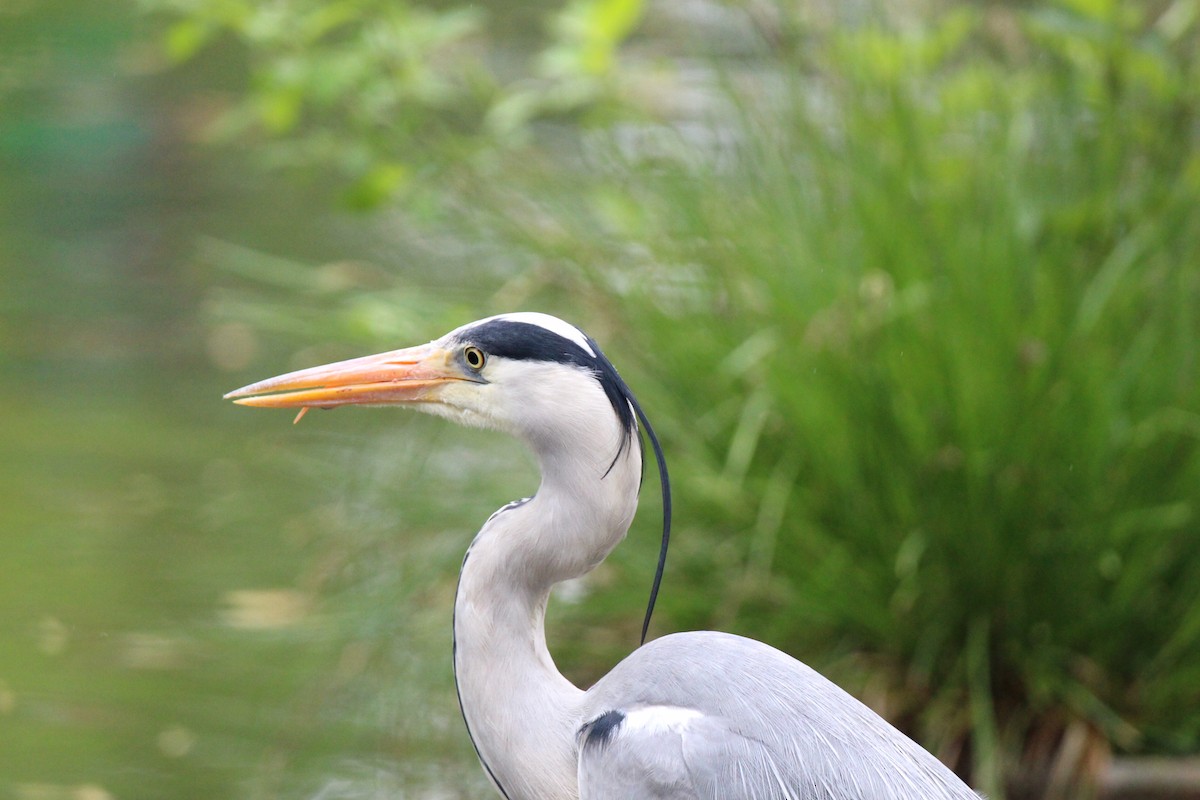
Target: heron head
{"points": [[529, 374]]}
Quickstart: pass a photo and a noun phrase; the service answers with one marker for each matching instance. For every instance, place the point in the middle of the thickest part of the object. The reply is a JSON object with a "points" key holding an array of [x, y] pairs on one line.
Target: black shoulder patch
{"points": [[602, 729]]}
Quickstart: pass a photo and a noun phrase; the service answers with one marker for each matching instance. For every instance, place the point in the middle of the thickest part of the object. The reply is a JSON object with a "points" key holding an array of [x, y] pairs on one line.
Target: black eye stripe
{"points": [[523, 341]]}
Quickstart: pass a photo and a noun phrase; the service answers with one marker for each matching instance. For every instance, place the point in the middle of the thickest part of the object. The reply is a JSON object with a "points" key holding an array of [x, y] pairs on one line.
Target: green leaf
{"points": [[185, 38], [377, 186]]}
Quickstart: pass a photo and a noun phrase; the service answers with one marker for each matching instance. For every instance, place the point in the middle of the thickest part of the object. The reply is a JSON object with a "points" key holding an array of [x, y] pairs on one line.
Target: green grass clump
{"points": [[921, 332]]}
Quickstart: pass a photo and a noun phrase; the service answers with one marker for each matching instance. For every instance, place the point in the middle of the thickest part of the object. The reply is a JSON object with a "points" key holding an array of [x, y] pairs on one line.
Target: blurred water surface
{"points": [[168, 583]]}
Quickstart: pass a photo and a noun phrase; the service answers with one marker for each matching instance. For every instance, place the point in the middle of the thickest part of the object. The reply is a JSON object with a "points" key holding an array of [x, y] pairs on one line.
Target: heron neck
{"points": [[520, 710]]}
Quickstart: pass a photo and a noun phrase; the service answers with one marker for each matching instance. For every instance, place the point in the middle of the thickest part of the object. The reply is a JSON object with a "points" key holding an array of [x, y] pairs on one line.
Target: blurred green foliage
{"points": [[393, 98], [912, 297]]}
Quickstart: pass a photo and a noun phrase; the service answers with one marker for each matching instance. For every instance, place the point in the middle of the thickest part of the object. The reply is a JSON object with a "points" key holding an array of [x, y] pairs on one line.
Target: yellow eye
{"points": [[474, 357]]}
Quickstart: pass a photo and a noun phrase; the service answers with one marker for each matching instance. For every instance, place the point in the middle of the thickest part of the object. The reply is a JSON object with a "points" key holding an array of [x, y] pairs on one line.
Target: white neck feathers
{"points": [[512, 695]]}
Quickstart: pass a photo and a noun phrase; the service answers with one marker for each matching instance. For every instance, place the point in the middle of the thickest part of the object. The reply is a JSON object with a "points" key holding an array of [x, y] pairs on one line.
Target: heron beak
{"points": [[412, 375]]}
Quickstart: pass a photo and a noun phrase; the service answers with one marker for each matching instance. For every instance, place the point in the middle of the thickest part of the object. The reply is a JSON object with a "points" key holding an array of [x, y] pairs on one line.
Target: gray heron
{"points": [[688, 715]]}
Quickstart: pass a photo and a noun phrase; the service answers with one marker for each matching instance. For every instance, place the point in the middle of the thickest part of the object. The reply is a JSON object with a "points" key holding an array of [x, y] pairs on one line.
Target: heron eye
{"points": [[474, 357]]}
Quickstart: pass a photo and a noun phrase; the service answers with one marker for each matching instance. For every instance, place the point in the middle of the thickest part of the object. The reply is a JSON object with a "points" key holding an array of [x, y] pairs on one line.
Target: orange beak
{"points": [[412, 375]]}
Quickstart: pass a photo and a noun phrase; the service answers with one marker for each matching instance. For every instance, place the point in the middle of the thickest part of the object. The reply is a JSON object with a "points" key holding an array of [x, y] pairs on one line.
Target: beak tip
{"points": [[250, 402], [246, 392]]}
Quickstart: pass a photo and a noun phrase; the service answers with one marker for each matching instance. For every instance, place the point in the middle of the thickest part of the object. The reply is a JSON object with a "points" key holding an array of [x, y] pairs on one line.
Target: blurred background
{"points": [[911, 292]]}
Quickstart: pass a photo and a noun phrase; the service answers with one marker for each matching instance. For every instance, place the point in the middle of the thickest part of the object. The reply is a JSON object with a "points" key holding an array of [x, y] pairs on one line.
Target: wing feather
{"points": [[702, 716]]}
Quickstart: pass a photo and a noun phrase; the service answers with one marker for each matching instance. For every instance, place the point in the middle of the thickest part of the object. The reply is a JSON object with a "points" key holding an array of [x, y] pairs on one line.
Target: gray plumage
{"points": [[695, 716], [769, 727]]}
